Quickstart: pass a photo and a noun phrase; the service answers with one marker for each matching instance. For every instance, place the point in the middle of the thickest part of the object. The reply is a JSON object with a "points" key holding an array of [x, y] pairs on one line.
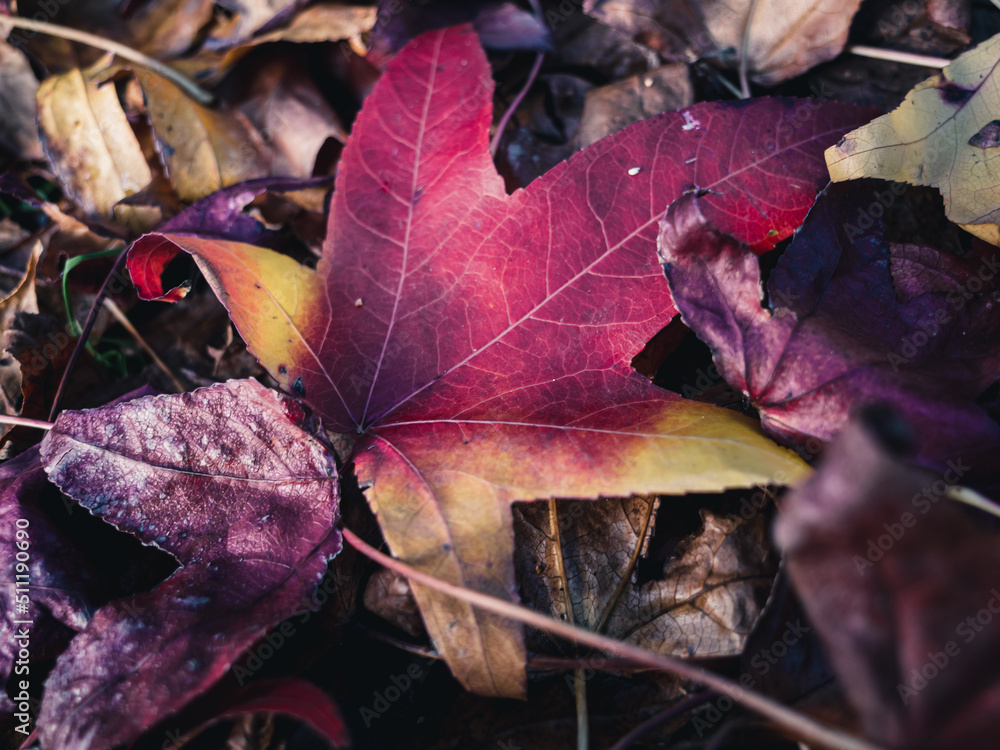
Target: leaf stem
{"points": [[189, 87], [25, 422], [495, 144], [801, 726], [125, 323], [906, 58], [88, 326]]}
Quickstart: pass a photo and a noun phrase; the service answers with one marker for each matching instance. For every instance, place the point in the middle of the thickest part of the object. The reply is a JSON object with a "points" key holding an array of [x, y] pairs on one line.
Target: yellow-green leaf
{"points": [[945, 134]]}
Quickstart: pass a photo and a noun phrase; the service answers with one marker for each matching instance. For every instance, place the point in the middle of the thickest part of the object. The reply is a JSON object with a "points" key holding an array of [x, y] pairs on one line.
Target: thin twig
{"points": [[495, 145], [795, 723], [678, 709], [906, 58], [189, 87], [744, 57], [127, 325], [88, 326], [25, 422], [972, 498]]}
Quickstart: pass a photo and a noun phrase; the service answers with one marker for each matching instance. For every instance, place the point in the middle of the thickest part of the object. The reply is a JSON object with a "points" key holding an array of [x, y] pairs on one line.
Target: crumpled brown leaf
{"points": [[903, 588], [787, 37], [284, 104], [91, 146], [610, 108], [704, 604], [203, 149]]}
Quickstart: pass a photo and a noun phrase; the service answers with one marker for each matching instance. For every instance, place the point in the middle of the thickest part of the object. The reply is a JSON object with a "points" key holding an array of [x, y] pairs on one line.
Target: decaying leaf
{"points": [[18, 85], [225, 481], [944, 134], [286, 107], [902, 587], [91, 146], [204, 149], [322, 22], [786, 37], [704, 604], [610, 108], [23, 297], [480, 343], [849, 319]]}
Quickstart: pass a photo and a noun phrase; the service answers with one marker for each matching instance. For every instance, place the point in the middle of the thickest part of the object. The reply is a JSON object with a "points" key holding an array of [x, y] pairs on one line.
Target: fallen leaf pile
{"points": [[529, 298]]}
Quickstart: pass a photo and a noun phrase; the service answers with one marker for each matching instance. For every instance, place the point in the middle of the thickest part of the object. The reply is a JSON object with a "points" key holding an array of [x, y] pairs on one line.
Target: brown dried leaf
{"points": [[324, 22], [91, 146], [787, 37], [610, 108], [23, 297], [388, 595], [168, 28], [705, 604], [202, 149], [283, 102]]}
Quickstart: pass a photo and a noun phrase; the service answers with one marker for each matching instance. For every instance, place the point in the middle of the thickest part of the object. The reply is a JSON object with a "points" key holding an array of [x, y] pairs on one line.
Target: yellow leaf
{"points": [[945, 134], [203, 149], [91, 146]]}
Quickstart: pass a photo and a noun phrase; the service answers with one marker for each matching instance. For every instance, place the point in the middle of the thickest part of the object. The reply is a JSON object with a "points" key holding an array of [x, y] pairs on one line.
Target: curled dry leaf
{"points": [[323, 22], [284, 104], [225, 481], [945, 134], [703, 605], [849, 319], [23, 298], [479, 343], [786, 37], [610, 108], [203, 149], [901, 586], [167, 28], [91, 146]]}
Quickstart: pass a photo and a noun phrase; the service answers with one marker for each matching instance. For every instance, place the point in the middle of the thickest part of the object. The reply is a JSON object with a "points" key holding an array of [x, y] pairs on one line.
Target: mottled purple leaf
{"points": [[225, 480], [850, 319]]}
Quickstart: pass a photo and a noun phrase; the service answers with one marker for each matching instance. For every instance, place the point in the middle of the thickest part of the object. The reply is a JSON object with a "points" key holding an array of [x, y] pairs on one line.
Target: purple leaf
{"points": [[56, 587], [852, 320], [226, 481]]}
